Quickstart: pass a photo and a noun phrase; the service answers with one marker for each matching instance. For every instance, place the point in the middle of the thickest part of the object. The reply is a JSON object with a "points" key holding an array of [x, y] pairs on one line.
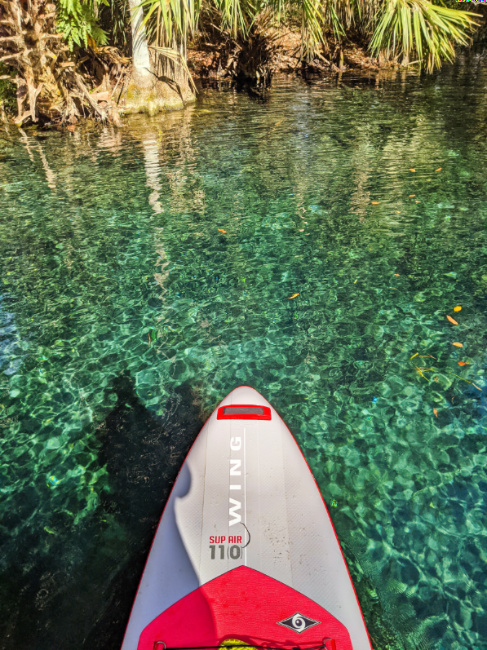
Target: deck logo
{"points": [[235, 484], [298, 623]]}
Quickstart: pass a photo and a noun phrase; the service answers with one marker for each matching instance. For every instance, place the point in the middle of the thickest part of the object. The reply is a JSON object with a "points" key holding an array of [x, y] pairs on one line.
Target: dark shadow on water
{"points": [[143, 455], [75, 590]]}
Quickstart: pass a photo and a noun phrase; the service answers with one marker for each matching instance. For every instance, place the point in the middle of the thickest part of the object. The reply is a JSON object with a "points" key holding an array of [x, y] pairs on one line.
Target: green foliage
{"points": [[171, 21], [7, 91], [77, 22], [236, 15], [114, 18], [394, 28], [419, 28]]}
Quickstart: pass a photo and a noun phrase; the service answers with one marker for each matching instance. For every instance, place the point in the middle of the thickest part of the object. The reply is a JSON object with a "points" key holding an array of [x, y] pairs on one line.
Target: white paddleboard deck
{"points": [[245, 547]]}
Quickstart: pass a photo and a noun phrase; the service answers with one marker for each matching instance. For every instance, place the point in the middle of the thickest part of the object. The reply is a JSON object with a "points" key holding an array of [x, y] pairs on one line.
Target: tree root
{"points": [[50, 84], [102, 114]]}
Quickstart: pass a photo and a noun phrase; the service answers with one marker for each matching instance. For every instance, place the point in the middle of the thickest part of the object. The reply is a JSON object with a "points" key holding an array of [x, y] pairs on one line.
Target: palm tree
{"points": [[160, 78], [400, 29]]}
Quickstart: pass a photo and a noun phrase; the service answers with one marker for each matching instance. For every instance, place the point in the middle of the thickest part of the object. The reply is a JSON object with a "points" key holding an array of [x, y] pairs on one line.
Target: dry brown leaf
{"points": [[295, 295], [457, 344], [457, 308], [452, 320]]}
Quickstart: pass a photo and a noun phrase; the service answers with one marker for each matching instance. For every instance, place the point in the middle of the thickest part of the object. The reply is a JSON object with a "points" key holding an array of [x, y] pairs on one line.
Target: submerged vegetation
{"points": [[149, 269], [79, 58]]}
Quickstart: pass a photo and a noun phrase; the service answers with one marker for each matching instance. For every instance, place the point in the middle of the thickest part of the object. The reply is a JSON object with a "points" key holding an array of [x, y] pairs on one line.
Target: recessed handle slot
{"points": [[243, 412]]}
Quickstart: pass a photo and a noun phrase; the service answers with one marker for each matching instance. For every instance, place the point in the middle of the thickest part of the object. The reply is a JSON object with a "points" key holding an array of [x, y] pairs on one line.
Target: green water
{"points": [[126, 315]]}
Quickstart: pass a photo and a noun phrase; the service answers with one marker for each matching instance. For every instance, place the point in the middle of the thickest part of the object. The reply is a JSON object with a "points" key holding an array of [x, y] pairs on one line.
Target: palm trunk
{"points": [[150, 88], [142, 71]]}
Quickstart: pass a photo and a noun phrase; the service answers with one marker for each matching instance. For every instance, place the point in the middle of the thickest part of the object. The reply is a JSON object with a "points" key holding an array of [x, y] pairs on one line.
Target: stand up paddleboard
{"points": [[245, 548]]}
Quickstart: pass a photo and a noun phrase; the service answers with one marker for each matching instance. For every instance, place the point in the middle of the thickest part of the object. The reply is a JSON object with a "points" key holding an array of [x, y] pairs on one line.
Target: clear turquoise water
{"points": [[126, 315]]}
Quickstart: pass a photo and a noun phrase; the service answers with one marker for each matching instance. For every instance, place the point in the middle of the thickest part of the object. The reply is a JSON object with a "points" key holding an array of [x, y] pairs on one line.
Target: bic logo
{"points": [[298, 623]]}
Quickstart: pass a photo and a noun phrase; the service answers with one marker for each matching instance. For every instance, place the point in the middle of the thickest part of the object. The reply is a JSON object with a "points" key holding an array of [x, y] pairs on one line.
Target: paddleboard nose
{"points": [[245, 395], [245, 548]]}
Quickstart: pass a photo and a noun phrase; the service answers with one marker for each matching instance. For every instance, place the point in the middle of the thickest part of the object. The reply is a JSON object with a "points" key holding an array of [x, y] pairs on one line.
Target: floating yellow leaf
{"points": [[438, 170], [457, 344], [375, 202], [452, 320], [457, 308], [412, 196], [435, 411], [398, 212], [463, 363], [221, 230], [412, 170], [295, 295]]}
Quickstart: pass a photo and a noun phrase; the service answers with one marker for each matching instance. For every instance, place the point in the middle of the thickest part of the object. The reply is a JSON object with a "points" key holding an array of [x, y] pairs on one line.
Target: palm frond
{"points": [[170, 21], [312, 26], [236, 15], [175, 57], [418, 27]]}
